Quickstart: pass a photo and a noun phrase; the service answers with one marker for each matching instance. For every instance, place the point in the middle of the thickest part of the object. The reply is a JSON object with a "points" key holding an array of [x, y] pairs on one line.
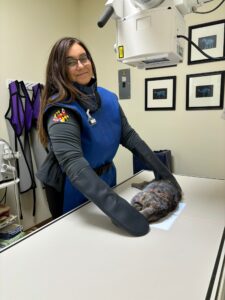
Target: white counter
{"points": [[83, 256]]}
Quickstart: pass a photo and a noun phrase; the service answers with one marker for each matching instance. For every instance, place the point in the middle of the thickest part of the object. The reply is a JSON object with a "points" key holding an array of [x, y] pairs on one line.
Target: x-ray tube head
{"points": [[144, 41], [148, 30]]}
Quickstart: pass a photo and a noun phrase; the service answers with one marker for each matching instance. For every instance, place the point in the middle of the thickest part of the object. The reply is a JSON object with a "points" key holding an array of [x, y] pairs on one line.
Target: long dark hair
{"points": [[57, 80]]}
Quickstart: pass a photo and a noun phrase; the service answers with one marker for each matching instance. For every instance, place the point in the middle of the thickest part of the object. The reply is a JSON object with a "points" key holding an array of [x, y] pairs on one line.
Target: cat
{"points": [[157, 200]]}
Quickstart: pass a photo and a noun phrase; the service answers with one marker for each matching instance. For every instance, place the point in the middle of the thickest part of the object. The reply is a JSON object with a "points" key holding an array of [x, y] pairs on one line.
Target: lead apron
{"points": [[39, 152], [19, 116], [99, 143]]}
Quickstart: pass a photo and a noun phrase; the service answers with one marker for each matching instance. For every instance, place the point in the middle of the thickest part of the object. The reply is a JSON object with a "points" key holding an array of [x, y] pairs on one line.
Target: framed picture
{"points": [[210, 38], [160, 93], [205, 91]]}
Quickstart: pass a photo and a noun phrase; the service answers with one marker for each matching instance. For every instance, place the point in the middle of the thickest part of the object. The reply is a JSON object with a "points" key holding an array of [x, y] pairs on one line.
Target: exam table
{"points": [[83, 256]]}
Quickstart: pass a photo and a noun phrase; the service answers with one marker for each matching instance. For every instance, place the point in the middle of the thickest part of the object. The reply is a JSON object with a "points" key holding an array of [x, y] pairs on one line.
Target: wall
{"points": [[196, 138], [28, 30]]}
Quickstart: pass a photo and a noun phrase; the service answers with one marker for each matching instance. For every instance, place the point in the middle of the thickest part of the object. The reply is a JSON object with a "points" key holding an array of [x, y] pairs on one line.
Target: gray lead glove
{"points": [[132, 141], [142, 151], [119, 210]]}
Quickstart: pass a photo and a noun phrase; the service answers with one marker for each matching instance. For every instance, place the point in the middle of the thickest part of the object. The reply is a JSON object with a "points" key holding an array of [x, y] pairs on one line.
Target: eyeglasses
{"points": [[73, 62]]}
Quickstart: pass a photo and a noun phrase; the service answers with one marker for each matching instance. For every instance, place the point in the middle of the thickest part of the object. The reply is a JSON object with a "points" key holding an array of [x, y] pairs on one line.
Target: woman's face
{"points": [[79, 67]]}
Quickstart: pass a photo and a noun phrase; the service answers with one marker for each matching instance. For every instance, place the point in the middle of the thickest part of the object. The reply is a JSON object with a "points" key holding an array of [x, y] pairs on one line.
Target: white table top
{"points": [[83, 256]]}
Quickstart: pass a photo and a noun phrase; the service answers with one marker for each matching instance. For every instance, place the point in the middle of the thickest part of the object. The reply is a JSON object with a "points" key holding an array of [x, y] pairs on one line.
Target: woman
{"points": [[83, 126]]}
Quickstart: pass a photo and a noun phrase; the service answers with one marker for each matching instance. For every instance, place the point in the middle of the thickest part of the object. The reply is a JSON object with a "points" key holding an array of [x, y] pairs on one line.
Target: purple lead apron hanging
{"points": [[19, 116]]}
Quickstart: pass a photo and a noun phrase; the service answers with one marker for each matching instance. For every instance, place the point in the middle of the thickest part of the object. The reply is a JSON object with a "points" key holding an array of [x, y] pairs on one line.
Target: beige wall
{"points": [[28, 30], [196, 138]]}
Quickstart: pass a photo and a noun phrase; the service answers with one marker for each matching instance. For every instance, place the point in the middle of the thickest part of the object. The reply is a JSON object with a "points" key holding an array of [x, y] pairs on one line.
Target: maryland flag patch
{"points": [[60, 116]]}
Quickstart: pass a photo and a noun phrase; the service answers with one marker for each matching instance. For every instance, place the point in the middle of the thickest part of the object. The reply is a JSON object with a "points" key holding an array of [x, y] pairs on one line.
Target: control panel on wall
{"points": [[124, 84]]}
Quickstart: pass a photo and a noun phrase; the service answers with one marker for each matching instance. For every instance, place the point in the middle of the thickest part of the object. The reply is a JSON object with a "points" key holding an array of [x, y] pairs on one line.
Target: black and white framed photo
{"points": [[205, 91], [210, 38], [160, 93]]}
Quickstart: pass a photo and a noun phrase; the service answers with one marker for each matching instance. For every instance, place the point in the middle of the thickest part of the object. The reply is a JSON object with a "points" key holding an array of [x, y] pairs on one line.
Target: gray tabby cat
{"points": [[157, 199]]}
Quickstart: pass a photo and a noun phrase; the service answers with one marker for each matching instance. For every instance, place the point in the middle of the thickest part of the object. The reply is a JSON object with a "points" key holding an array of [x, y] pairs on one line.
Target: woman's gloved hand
{"points": [[142, 151], [119, 210]]}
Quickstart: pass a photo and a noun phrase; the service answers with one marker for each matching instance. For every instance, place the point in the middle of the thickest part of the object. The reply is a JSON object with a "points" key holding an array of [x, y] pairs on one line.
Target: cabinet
{"points": [[10, 225], [16, 193]]}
